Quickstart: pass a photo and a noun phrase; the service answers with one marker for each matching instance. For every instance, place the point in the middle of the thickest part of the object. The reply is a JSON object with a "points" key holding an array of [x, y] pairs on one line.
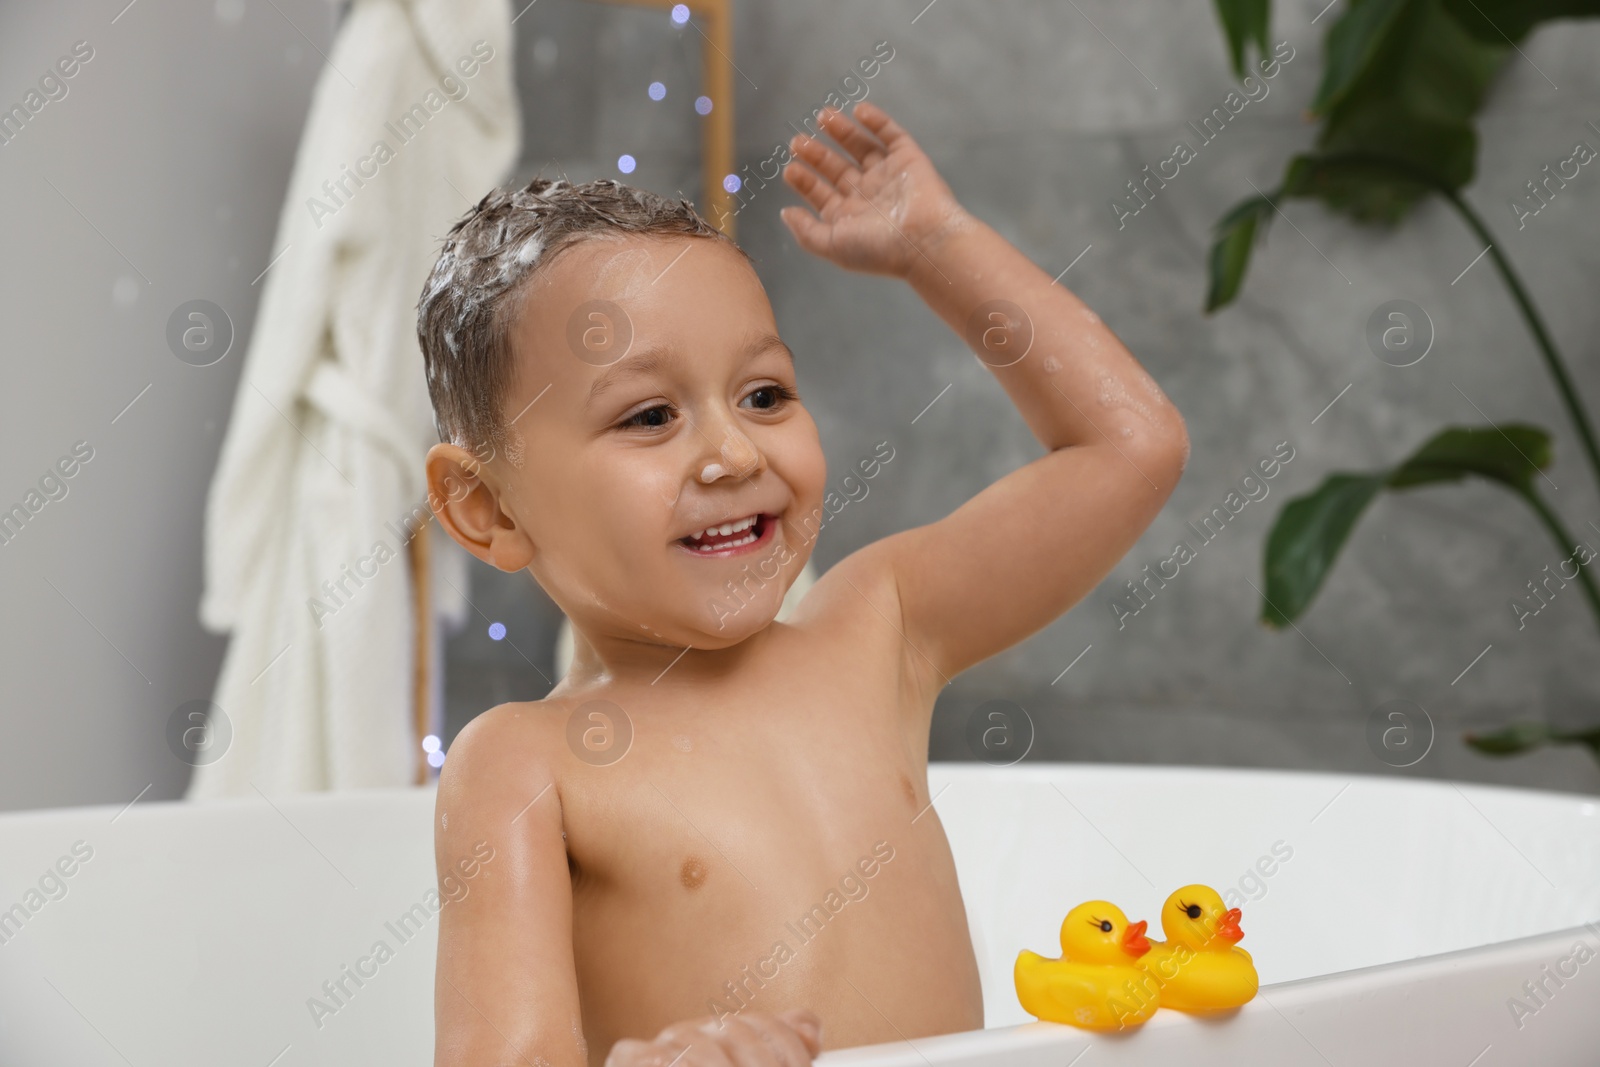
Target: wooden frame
{"points": [[716, 80]]}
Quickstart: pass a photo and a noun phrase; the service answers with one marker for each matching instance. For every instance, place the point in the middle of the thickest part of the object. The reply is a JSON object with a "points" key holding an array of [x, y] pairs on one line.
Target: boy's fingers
{"points": [[804, 1022], [691, 1046], [747, 1046], [813, 189], [782, 1039], [828, 163], [630, 1052], [807, 230], [625, 1052], [708, 1053], [857, 141], [878, 121], [803, 180]]}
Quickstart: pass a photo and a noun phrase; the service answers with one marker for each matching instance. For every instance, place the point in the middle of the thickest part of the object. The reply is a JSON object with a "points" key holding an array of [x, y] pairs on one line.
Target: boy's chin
{"points": [[723, 626]]}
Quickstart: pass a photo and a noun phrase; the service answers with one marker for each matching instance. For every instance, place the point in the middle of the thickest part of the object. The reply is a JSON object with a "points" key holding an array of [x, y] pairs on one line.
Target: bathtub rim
{"points": [[994, 1041]]}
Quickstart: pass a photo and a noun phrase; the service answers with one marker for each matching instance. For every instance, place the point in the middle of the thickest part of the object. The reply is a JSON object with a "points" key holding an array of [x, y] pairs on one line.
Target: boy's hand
{"points": [[750, 1039], [882, 203]]}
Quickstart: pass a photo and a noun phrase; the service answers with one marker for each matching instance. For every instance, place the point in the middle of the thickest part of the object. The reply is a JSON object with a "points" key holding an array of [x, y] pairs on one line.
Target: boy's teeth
{"points": [[725, 530], [745, 540]]}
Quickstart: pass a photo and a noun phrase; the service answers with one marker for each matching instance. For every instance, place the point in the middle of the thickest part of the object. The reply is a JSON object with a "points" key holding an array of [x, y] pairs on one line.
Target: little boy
{"points": [[713, 841]]}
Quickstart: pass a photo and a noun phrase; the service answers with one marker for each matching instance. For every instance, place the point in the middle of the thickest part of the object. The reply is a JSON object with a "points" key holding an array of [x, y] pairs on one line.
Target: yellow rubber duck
{"points": [[1094, 985], [1199, 967]]}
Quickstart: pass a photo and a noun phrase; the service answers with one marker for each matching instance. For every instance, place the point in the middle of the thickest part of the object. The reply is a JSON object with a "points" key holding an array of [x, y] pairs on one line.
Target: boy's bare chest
{"points": [[734, 794], [765, 845]]}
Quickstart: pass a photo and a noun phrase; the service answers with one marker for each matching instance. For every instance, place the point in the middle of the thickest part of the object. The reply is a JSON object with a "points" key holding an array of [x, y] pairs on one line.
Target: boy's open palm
{"points": [[878, 203], [750, 1039]]}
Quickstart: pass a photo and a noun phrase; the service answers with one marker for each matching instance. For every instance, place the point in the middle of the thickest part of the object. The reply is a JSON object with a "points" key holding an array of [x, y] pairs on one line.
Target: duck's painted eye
{"points": [[1105, 924], [1192, 910]]}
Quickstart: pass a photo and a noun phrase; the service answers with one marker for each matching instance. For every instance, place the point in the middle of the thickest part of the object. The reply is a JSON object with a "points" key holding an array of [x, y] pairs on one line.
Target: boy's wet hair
{"points": [[475, 291]]}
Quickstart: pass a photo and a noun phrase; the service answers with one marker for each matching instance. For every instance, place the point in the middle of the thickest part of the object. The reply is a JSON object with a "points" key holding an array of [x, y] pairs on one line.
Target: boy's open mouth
{"points": [[731, 538]]}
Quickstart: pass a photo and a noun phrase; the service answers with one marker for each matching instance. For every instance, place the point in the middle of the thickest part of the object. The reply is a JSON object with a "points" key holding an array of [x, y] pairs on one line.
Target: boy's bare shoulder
{"points": [[501, 753], [856, 603], [861, 586]]}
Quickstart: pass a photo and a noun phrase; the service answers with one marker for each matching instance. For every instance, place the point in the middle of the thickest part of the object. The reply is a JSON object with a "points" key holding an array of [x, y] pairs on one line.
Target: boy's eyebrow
{"points": [[650, 360], [766, 342], [632, 365]]}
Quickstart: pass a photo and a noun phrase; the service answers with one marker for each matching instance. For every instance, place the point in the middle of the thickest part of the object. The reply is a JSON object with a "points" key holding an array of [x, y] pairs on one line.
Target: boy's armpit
{"points": [[858, 601]]}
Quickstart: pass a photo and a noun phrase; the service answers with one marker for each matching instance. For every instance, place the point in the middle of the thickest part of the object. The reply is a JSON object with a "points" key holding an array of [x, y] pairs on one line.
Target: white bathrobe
{"points": [[306, 556]]}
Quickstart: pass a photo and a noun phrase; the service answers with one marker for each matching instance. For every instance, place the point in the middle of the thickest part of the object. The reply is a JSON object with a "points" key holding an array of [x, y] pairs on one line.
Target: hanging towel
{"points": [[320, 480]]}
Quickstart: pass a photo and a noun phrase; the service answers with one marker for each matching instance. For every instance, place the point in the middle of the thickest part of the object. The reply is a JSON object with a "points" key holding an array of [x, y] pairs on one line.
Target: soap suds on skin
{"points": [[516, 449], [900, 202], [1114, 394], [1151, 387]]}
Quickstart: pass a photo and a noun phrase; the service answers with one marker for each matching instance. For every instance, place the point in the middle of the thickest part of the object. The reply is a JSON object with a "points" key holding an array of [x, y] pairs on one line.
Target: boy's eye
{"points": [[649, 418], [768, 397]]}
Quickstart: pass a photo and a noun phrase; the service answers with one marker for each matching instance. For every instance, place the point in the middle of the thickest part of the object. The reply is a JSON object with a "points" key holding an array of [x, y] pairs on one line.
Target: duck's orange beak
{"points": [[1228, 928], [1133, 941]]}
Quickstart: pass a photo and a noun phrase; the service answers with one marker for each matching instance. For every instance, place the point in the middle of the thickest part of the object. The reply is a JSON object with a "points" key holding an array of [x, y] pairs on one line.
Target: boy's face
{"points": [[671, 407]]}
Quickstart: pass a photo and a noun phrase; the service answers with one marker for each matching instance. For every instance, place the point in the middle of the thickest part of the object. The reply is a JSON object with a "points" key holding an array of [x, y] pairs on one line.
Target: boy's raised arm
{"points": [[1017, 555], [505, 989]]}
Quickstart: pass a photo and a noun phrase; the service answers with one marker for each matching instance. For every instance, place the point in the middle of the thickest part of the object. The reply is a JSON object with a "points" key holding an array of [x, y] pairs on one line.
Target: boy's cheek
{"points": [[797, 458]]}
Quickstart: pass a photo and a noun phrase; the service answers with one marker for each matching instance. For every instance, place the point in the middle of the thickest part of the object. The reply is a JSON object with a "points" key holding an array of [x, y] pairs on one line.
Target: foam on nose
{"points": [[712, 472]]}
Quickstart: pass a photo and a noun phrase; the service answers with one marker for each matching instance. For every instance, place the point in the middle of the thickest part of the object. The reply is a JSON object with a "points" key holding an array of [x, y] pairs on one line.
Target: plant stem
{"points": [[1552, 522], [1530, 314], [1552, 358]]}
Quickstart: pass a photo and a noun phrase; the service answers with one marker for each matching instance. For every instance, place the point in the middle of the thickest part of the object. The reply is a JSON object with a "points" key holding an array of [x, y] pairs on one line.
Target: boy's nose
{"points": [[737, 457]]}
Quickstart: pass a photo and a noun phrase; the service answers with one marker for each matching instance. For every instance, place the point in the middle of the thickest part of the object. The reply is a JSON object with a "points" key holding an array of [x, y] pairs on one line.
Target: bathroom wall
{"points": [[155, 180], [159, 177]]}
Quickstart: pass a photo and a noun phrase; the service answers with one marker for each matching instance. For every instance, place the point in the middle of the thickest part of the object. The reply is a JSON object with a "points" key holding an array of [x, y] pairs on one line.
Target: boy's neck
{"points": [[611, 660]]}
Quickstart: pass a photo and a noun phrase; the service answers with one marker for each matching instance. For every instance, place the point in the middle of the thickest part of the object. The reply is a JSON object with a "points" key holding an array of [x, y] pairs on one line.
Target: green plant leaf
{"points": [[1445, 152], [1510, 740], [1498, 21], [1371, 186], [1520, 737], [1310, 531], [1512, 454], [1306, 540], [1230, 251], [1244, 21], [1353, 44], [1404, 81]]}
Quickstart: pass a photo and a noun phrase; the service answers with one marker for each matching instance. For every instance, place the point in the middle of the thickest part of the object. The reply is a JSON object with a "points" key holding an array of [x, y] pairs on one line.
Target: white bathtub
{"points": [[1406, 917]]}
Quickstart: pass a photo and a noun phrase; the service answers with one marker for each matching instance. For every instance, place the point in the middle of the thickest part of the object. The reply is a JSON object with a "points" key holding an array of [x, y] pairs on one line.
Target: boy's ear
{"points": [[468, 508]]}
